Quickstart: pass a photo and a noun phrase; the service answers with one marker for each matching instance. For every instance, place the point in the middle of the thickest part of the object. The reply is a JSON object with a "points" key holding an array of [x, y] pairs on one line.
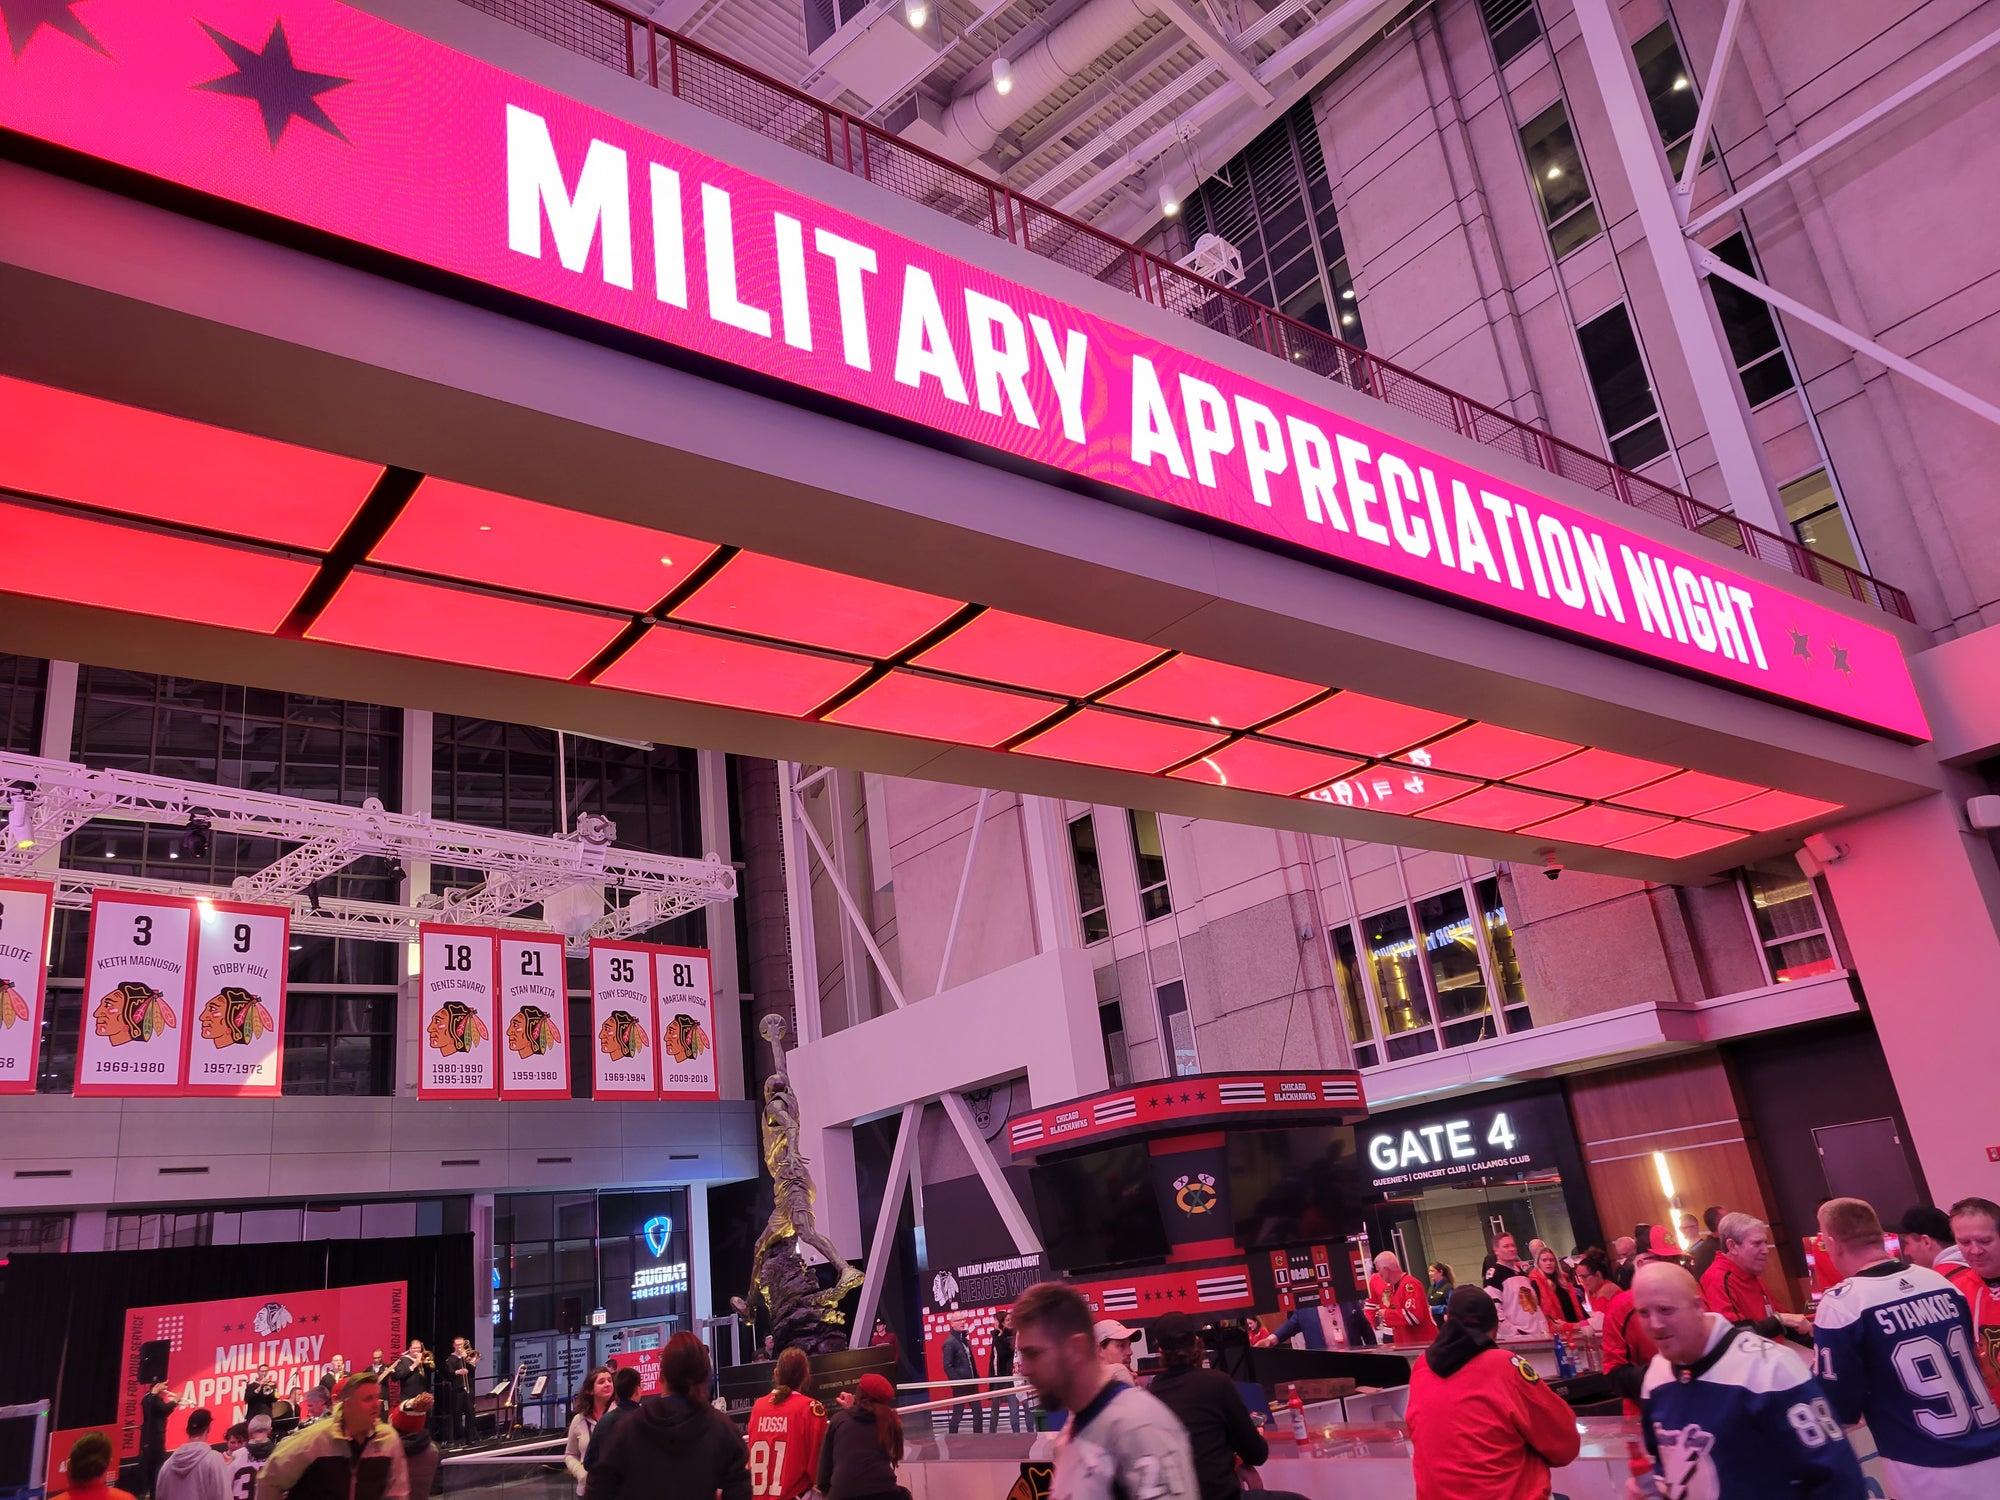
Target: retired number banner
{"points": [[237, 1046], [26, 911], [459, 1011], [686, 1007], [135, 995], [534, 1013], [625, 1040]]}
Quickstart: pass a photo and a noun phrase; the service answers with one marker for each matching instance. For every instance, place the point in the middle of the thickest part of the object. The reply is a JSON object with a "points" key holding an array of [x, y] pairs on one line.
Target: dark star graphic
{"points": [[1801, 643], [282, 91], [1839, 657], [26, 17]]}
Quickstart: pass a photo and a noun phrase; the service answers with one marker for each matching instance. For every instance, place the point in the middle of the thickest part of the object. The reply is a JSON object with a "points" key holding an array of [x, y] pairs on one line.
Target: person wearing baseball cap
{"points": [[1114, 1347], [246, 1462]]}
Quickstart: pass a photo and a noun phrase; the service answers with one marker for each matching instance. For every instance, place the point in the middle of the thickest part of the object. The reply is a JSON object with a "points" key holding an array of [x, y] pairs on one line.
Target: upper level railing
{"points": [[608, 33]]}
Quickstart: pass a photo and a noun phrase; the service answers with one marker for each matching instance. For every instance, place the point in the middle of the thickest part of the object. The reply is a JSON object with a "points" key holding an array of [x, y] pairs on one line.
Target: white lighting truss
{"points": [[520, 869]]}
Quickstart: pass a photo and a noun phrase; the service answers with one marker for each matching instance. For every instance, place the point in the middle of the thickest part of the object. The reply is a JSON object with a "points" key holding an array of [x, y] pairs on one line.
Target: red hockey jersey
{"points": [[784, 1438]]}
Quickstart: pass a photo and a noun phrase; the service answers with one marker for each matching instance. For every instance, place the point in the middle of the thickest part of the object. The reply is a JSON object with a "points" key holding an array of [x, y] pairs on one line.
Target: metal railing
{"points": [[606, 32]]}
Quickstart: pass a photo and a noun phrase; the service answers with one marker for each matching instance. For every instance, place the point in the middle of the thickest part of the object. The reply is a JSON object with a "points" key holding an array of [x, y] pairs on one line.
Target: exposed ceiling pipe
{"points": [[973, 123]]}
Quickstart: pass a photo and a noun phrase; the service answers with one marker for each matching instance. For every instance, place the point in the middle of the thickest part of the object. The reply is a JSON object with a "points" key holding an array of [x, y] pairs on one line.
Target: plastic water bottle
{"points": [[1640, 1464], [1565, 1364], [1298, 1408]]}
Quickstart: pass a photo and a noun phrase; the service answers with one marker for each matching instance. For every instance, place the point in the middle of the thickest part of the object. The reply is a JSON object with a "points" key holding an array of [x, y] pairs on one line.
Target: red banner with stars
{"points": [[1206, 1102], [215, 1349]]}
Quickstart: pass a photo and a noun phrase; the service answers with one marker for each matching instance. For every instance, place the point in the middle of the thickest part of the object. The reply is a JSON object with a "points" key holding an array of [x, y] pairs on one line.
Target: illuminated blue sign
{"points": [[657, 1230]]}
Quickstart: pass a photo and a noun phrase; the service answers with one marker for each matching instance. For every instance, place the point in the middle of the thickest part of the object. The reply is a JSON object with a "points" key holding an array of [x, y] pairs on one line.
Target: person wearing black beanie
{"points": [[1481, 1420]]}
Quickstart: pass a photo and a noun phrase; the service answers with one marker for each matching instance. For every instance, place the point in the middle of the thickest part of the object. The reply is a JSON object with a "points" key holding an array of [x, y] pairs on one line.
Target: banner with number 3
{"points": [[137, 980]]}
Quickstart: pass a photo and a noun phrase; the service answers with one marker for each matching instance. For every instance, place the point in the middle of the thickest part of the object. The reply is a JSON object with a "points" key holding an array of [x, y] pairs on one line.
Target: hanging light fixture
{"points": [[1170, 202], [20, 829], [1003, 76], [916, 12]]}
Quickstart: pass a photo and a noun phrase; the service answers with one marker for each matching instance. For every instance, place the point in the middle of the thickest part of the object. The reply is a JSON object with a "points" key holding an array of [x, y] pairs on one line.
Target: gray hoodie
{"points": [[193, 1471]]}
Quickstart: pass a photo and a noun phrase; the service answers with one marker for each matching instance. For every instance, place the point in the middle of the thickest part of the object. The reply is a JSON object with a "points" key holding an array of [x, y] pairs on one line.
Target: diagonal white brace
{"points": [[847, 905], [1705, 116], [997, 1186], [885, 1223]]}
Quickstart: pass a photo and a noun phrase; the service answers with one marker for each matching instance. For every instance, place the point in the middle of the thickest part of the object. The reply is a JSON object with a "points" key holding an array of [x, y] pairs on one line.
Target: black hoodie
{"points": [[672, 1448]]}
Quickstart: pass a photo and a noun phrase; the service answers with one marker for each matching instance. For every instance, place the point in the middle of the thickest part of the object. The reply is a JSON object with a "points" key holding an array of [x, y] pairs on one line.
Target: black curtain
{"points": [[62, 1317]]}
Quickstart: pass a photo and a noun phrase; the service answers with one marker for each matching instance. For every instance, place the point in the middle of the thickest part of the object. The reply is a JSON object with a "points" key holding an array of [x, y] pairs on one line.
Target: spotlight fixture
{"points": [[20, 828], [916, 12], [1003, 76], [595, 828], [1170, 203], [312, 898], [194, 841]]}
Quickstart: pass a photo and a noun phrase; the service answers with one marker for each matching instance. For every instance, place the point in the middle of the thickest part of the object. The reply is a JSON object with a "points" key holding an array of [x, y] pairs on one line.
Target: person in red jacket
{"points": [[1734, 1286], [1628, 1348], [1405, 1307], [1481, 1421]]}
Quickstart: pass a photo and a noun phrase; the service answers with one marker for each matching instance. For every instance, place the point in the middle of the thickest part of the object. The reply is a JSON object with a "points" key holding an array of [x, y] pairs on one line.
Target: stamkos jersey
{"points": [[1746, 1421], [1895, 1346], [784, 1438]]}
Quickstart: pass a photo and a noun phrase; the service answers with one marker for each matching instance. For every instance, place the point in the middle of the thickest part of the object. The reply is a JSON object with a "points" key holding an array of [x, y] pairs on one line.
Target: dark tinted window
{"points": [[1560, 183], [1512, 24], [1624, 396], [1753, 333]]}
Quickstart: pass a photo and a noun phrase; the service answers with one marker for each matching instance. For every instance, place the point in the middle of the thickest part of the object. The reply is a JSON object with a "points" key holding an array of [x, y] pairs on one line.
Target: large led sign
{"points": [[323, 115]]}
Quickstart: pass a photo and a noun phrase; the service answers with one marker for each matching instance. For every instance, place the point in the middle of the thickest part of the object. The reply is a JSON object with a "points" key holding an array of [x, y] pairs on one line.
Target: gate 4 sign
{"points": [[534, 1017], [625, 1037], [135, 995], [687, 1024], [26, 907], [458, 1050], [237, 1045]]}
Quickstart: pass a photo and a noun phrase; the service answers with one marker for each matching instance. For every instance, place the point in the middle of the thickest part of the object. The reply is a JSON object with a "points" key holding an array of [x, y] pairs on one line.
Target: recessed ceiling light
{"points": [[1554, 173]]}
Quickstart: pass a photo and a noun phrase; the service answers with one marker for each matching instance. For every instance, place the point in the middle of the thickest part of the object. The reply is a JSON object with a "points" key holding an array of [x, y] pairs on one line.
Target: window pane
{"points": [[1512, 24], [1641, 445], [1349, 305], [1117, 1063], [1801, 958], [1347, 982], [1399, 978], [1500, 938], [1746, 319], [1782, 900], [1556, 165], [1668, 88], [1177, 1030], [1089, 878], [1451, 946], [1151, 859], [1617, 374], [1814, 511]]}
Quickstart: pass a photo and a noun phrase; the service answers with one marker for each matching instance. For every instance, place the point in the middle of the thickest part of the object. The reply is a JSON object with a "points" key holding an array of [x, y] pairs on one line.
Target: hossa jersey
{"points": [[784, 1438], [1895, 1347], [1746, 1421]]}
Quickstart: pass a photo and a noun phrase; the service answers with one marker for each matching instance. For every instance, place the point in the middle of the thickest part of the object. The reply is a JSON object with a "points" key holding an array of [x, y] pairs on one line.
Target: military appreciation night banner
{"points": [[320, 114]]}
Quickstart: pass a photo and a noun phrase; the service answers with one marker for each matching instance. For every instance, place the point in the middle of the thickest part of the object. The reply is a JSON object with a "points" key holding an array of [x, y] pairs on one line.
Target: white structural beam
{"points": [[1713, 265], [1746, 475], [847, 904], [885, 1219], [1845, 133], [1215, 47], [1705, 116], [1336, 24], [998, 1188], [964, 884]]}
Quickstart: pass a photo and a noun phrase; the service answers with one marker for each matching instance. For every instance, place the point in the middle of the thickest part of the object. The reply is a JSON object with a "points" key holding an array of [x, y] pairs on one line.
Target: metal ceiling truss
{"points": [[49, 800]]}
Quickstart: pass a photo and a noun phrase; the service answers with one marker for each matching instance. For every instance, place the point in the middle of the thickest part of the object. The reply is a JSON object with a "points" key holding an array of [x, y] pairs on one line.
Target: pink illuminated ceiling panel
{"points": [[1364, 725], [1023, 652], [163, 468], [789, 601], [1689, 794], [1503, 808], [933, 708], [1679, 841], [1773, 810], [1253, 765], [1200, 691], [1489, 750], [483, 537], [1393, 789], [1594, 773], [54, 554], [1598, 825], [409, 618], [700, 668], [1093, 737]]}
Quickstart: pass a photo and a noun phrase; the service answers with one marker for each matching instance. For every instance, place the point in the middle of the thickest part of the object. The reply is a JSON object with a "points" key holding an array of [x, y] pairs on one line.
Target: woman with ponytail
{"points": [[864, 1443], [786, 1430]]}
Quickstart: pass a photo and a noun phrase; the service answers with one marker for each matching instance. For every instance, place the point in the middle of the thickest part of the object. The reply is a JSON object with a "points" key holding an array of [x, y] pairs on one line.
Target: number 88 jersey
{"points": [[784, 1438]]}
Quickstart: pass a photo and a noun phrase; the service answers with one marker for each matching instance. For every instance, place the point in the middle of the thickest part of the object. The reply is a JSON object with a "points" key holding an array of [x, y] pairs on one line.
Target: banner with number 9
{"points": [[459, 1014], [236, 1044]]}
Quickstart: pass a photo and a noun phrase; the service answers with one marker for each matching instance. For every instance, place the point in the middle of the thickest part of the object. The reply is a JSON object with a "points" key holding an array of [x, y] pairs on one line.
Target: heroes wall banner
{"points": [[624, 1033], [137, 982], [214, 1348], [534, 1017], [459, 1011], [27, 911], [322, 115], [237, 1046], [685, 1000]]}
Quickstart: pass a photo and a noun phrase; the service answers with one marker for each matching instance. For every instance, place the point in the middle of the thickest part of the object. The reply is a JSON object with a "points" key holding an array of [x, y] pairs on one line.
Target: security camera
{"points": [[1552, 868]]}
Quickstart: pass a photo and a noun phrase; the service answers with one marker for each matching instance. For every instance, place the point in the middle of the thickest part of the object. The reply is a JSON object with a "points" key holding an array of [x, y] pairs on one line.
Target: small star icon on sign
{"points": [[1840, 662], [281, 90], [1801, 643], [26, 18]]}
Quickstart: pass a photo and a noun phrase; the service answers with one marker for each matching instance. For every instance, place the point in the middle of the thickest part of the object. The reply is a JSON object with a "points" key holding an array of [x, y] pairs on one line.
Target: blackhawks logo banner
{"points": [[459, 1012], [27, 910], [534, 1016], [624, 1043], [686, 1006], [237, 1046], [136, 988]]}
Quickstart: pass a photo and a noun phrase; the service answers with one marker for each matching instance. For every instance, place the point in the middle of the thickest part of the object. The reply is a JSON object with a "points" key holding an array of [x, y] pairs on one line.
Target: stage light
{"points": [[1170, 203], [20, 829], [1003, 76], [595, 828], [207, 909], [194, 842]]}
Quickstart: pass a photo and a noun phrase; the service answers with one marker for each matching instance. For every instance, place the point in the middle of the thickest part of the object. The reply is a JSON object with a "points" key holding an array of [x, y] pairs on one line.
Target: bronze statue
{"points": [[802, 1313]]}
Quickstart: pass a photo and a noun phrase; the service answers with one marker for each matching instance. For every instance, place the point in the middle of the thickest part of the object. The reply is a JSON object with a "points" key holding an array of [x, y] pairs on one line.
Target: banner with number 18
{"points": [[459, 1014]]}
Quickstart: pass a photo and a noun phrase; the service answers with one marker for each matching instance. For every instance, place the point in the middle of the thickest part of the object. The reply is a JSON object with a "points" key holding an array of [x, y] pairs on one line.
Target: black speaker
{"points": [[153, 1360], [569, 1317]]}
